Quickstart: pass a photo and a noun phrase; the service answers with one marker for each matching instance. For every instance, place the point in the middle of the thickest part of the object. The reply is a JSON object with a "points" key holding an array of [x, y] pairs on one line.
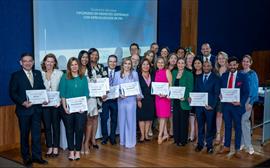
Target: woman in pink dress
{"points": [[163, 104]]}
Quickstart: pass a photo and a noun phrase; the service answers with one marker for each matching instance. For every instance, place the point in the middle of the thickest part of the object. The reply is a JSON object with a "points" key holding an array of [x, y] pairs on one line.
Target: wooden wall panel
{"points": [[261, 64], [189, 24], [9, 129]]}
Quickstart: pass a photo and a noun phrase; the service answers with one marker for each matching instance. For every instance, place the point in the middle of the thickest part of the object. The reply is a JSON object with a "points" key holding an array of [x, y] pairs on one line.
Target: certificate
{"points": [[177, 92], [114, 92], [160, 88], [105, 81], [54, 99], [77, 104], [37, 96], [230, 95], [96, 89], [198, 99], [130, 89]]}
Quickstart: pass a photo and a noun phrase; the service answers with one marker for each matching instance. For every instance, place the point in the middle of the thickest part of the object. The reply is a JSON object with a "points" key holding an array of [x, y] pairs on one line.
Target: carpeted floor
{"points": [[9, 163]]}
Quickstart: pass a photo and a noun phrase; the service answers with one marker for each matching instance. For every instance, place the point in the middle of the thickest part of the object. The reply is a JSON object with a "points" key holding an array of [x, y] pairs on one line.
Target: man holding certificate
{"points": [[29, 115], [207, 82], [233, 111]]}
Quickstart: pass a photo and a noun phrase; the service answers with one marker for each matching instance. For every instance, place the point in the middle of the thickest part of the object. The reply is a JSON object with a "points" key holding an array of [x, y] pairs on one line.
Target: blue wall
{"points": [[237, 27]]}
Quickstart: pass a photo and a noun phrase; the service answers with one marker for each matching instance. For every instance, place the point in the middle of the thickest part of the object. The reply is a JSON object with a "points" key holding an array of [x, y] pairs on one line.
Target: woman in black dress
{"points": [[146, 106]]}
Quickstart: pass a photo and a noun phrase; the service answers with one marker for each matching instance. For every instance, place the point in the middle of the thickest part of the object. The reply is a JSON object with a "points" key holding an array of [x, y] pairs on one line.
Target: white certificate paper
{"points": [[77, 104], [54, 99], [130, 89], [199, 99], [96, 89], [105, 81], [160, 88], [114, 92], [37, 96], [230, 95], [177, 92]]}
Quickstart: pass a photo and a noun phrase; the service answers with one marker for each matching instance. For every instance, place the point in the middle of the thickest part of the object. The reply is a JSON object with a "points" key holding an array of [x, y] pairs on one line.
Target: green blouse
{"points": [[76, 87]]}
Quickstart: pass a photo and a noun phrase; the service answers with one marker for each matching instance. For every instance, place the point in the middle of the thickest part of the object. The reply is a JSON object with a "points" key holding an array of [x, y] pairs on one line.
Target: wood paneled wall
{"points": [[9, 129], [261, 63], [189, 24]]}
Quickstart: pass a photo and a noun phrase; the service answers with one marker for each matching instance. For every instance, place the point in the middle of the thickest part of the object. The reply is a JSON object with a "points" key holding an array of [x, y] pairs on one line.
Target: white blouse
{"points": [[53, 83]]}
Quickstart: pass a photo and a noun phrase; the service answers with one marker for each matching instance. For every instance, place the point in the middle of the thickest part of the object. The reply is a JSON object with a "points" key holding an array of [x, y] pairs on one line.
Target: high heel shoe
{"points": [[95, 146], [160, 140], [166, 137]]}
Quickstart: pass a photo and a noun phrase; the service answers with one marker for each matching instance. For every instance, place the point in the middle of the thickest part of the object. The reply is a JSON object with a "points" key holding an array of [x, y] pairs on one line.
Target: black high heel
{"points": [[95, 146]]}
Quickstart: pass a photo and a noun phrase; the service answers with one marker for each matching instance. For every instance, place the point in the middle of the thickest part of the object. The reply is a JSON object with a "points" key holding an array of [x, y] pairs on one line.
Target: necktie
{"points": [[230, 85], [30, 77], [111, 78], [206, 59], [205, 79]]}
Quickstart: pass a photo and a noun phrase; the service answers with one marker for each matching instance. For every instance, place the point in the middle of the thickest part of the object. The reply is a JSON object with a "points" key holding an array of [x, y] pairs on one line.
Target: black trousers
{"points": [[180, 123], [31, 123], [109, 108], [51, 120], [74, 124]]}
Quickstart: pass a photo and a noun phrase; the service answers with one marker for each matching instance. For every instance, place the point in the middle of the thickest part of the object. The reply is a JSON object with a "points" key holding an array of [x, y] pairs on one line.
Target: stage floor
{"points": [[150, 154]]}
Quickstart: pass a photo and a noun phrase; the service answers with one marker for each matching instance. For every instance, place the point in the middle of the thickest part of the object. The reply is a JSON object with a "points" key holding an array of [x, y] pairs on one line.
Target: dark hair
{"points": [[154, 43], [180, 48], [134, 44], [233, 58], [143, 60], [90, 51], [26, 54], [112, 56], [50, 55], [193, 62], [167, 48], [81, 53], [69, 74]]}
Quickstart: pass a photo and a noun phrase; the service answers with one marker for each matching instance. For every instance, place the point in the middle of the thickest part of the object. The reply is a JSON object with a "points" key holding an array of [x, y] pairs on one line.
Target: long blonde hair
{"points": [[225, 55], [122, 66]]}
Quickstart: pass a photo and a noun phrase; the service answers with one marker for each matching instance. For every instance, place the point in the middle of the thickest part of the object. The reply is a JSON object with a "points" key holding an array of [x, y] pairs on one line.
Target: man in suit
{"points": [[206, 54], [233, 111], [29, 115], [207, 82], [109, 106]]}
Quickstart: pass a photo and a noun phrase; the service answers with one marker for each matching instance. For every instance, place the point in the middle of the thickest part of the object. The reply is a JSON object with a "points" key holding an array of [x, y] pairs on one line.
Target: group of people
{"points": [[145, 112]]}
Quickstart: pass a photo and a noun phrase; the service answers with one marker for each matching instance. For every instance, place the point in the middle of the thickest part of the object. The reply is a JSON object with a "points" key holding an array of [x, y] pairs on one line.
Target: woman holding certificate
{"points": [[127, 104], [253, 81], [94, 71], [74, 84], [51, 117], [184, 78], [146, 108], [220, 68], [163, 103]]}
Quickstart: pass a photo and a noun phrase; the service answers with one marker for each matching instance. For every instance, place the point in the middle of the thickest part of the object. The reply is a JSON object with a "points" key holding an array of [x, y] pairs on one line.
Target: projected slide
{"points": [[64, 27]]}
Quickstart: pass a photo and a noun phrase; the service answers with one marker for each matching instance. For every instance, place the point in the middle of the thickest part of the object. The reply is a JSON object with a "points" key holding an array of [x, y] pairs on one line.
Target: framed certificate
{"points": [[96, 89], [54, 99], [37, 96], [160, 88], [199, 99], [130, 89], [230, 95], [177, 92], [114, 92], [105, 81], [77, 104]]}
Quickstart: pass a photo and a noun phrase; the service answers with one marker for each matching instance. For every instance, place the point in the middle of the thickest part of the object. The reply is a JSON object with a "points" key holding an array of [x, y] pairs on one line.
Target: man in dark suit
{"points": [[109, 106], [206, 54], [207, 82], [29, 115], [233, 111]]}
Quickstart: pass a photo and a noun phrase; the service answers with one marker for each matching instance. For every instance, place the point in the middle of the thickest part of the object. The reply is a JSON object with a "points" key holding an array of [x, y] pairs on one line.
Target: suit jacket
{"points": [[18, 85], [241, 82], [117, 68], [187, 81], [211, 86], [212, 59]]}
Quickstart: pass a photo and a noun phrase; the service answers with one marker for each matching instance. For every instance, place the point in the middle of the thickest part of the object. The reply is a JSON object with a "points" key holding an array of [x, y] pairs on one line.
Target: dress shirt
{"points": [[208, 57]]}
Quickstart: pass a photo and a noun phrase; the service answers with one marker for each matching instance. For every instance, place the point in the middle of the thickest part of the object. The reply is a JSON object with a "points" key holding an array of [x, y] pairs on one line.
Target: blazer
{"points": [[212, 87], [18, 85], [187, 81], [241, 82]]}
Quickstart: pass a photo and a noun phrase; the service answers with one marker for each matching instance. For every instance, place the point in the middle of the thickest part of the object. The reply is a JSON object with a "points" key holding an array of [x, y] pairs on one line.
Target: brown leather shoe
{"points": [[224, 150], [237, 155]]}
